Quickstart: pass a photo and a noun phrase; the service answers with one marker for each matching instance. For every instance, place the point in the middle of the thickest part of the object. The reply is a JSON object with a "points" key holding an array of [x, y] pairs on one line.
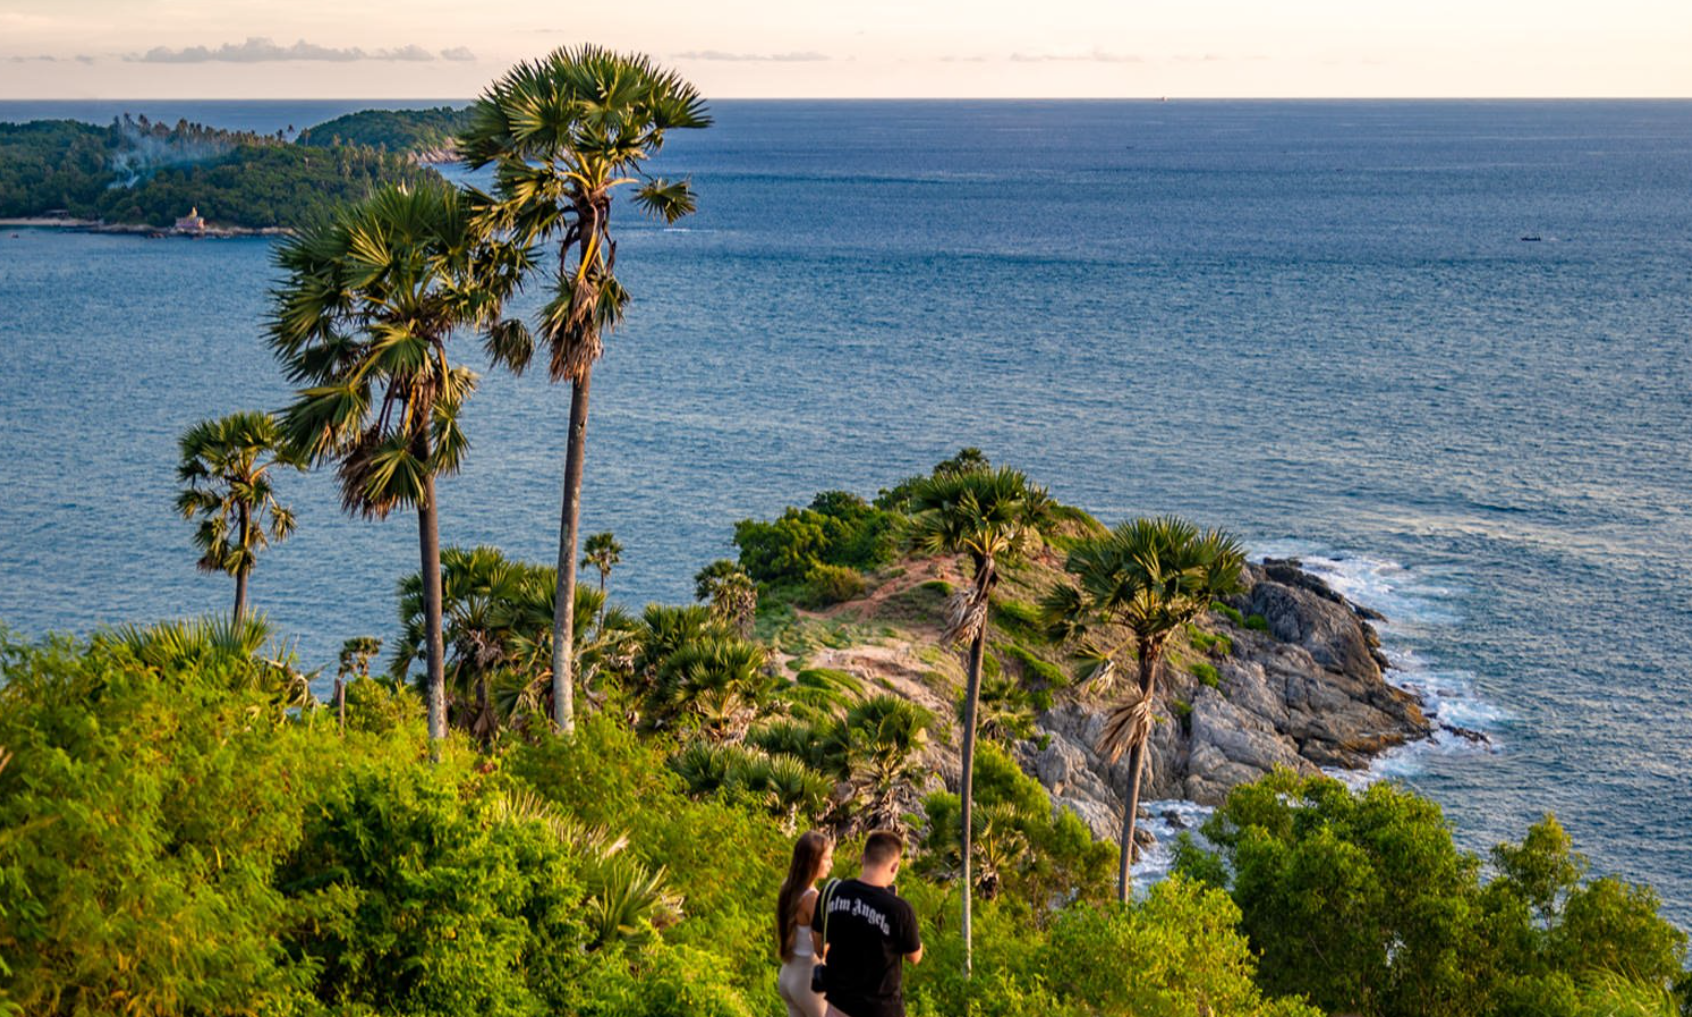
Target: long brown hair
{"points": [[807, 854]]}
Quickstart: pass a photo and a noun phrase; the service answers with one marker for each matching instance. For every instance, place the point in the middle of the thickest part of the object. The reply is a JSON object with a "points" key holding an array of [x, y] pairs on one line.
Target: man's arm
{"points": [[913, 936]]}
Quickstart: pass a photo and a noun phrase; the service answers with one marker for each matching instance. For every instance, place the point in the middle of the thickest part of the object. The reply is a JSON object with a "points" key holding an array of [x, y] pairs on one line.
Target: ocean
{"points": [[1438, 349]]}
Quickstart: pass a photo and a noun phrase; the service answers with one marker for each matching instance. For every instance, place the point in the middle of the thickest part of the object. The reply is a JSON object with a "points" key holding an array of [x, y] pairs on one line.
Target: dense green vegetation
{"points": [[175, 839], [143, 173], [813, 555], [1361, 901], [51, 165], [256, 186], [400, 131]]}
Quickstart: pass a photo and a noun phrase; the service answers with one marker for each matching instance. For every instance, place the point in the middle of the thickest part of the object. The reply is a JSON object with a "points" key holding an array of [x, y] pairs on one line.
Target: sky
{"points": [[861, 48]]}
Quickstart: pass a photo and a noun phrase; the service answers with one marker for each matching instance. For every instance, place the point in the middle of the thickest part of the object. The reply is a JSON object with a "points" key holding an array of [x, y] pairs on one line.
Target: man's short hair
{"points": [[882, 847]]}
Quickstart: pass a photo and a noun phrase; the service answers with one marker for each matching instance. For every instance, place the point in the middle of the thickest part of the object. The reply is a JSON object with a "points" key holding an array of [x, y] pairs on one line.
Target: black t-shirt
{"points": [[870, 929]]}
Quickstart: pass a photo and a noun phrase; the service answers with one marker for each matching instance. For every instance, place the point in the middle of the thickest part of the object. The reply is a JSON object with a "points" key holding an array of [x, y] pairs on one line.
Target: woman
{"points": [[813, 857]]}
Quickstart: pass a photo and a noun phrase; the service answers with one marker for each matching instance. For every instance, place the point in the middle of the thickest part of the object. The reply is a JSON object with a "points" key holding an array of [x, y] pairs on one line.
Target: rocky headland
{"points": [[1288, 673], [1303, 689]]}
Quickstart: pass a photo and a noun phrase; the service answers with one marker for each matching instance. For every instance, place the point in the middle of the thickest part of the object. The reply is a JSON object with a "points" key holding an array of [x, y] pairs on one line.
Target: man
{"points": [[871, 931]]}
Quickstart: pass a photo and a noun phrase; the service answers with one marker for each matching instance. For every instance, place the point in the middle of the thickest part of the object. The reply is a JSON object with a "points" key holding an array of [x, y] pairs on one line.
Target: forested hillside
{"points": [[137, 172]]}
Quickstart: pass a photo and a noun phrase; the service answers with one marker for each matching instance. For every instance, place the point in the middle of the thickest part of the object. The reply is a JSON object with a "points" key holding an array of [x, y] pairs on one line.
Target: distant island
{"points": [[426, 135], [137, 174]]}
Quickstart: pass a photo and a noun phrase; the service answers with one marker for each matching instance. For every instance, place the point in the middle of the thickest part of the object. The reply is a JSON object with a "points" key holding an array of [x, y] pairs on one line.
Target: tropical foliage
{"points": [[564, 134], [362, 319], [1133, 590], [140, 172], [802, 553], [225, 474], [1361, 901]]}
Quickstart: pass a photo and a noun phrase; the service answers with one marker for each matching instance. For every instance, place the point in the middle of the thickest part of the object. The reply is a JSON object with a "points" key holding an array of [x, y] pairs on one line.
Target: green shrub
{"points": [[1018, 619], [436, 905], [1207, 674], [1257, 623], [1037, 671], [837, 529], [831, 584], [1362, 900], [1177, 954], [1232, 614], [1209, 642], [141, 815], [378, 706]]}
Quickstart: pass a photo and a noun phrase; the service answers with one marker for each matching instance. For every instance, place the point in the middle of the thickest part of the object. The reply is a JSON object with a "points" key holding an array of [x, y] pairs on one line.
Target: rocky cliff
{"points": [[1303, 688], [1290, 676]]}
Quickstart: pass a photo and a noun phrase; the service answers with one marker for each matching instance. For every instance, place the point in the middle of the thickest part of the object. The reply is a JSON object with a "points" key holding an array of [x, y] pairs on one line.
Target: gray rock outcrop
{"points": [[1304, 690]]}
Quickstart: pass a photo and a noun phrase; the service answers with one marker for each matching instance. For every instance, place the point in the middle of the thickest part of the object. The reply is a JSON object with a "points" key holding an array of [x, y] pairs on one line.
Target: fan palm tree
{"points": [[731, 592], [564, 133], [1147, 578], [369, 301], [225, 472], [478, 588], [496, 623], [718, 683], [603, 553], [356, 654], [991, 516], [875, 748]]}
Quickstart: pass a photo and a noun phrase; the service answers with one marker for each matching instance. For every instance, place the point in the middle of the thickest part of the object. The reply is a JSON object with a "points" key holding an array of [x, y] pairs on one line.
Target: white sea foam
{"points": [[1166, 820], [1413, 600]]}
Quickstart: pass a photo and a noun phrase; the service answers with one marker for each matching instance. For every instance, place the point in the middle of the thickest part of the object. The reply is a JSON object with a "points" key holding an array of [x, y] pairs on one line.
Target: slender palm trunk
{"points": [[599, 623], [1136, 769], [977, 651], [564, 606], [341, 703], [429, 544], [241, 595], [241, 574]]}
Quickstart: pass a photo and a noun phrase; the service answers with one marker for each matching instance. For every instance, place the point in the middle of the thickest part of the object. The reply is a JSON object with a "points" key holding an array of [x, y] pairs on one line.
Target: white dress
{"points": [[794, 982]]}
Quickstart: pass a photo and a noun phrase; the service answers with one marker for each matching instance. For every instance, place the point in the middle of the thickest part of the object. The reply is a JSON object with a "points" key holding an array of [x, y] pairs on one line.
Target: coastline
{"points": [[140, 229]]}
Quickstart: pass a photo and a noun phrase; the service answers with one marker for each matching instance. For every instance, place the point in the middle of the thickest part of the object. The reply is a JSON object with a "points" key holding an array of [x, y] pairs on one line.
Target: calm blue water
{"points": [[1314, 323]]}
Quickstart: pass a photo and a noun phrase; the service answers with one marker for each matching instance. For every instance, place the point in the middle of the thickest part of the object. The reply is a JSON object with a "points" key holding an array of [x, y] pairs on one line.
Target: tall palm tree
{"points": [[603, 553], [1143, 582], [990, 516], [225, 472], [368, 304], [564, 134]]}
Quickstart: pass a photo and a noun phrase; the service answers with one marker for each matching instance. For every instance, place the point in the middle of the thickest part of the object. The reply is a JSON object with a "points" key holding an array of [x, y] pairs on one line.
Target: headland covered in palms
{"points": [[552, 804]]}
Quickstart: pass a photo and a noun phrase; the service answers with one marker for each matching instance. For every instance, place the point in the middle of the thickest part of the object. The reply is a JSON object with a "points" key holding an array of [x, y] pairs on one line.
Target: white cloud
{"points": [[1098, 56], [784, 58], [258, 49]]}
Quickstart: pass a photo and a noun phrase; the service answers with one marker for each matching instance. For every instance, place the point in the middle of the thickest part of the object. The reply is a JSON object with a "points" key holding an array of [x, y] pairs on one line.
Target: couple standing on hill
{"points": [[843, 945]]}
